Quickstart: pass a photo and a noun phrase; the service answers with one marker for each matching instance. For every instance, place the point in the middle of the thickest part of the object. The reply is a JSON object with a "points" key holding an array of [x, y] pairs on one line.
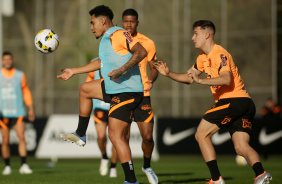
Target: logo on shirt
{"points": [[146, 107], [223, 60], [226, 120], [128, 37], [246, 124]]}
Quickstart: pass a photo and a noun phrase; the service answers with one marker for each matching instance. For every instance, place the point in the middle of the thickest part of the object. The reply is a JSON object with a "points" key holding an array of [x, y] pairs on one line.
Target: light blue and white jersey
{"points": [[130, 81], [11, 96]]}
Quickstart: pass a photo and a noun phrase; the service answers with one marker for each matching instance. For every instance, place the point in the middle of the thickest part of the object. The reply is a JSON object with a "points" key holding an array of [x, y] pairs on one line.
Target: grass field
{"points": [[170, 169]]}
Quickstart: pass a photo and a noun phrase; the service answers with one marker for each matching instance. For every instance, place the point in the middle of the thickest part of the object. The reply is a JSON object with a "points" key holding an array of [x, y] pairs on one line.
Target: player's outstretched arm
{"points": [[179, 77], [69, 72], [139, 53], [224, 79]]}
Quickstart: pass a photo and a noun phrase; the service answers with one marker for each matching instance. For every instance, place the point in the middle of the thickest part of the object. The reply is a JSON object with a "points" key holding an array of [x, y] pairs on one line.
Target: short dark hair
{"points": [[102, 10], [7, 53], [204, 24], [130, 11]]}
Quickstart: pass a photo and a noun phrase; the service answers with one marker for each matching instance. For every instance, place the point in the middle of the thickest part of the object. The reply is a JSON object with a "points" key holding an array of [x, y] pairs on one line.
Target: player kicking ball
{"points": [[121, 85], [101, 119], [234, 109]]}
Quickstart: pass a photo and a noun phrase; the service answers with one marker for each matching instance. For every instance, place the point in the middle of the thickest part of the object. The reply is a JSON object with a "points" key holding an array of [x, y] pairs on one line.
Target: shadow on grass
{"points": [[170, 174], [189, 180]]}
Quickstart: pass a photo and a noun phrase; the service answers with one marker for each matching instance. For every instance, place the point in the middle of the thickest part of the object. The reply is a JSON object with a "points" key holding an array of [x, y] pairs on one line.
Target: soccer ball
{"points": [[46, 41], [241, 161]]}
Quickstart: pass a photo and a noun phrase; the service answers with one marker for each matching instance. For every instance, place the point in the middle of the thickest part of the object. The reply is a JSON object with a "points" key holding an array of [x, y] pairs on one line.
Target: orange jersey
{"points": [[122, 42], [25, 90], [219, 60], [147, 43], [90, 77]]}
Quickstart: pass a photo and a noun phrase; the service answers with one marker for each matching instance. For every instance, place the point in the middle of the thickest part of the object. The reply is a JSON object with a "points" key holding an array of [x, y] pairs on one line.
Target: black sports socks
{"points": [[82, 125], [113, 165], [258, 169], [105, 156], [147, 163], [7, 161], [212, 165], [23, 160], [129, 172]]}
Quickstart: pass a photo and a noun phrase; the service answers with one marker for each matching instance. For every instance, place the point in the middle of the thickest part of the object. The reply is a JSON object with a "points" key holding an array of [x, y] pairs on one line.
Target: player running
{"points": [[234, 109], [121, 85], [143, 114], [13, 93], [101, 119]]}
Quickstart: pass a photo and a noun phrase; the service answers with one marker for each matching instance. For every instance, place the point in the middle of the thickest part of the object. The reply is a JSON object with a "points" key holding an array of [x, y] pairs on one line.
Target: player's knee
{"points": [[112, 135], [148, 139], [198, 136], [239, 150], [82, 89], [5, 141], [101, 137], [21, 138]]}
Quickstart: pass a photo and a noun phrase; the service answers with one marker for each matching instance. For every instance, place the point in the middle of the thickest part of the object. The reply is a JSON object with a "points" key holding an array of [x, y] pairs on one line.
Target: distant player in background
{"points": [[234, 108], [101, 119], [13, 93], [143, 114]]}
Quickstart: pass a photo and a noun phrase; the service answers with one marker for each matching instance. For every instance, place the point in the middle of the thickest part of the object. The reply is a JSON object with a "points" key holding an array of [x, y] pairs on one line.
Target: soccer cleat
{"points": [[73, 137], [130, 183], [104, 167], [219, 181], [264, 178], [7, 170], [152, 177], [113, 173], [25, 169]]}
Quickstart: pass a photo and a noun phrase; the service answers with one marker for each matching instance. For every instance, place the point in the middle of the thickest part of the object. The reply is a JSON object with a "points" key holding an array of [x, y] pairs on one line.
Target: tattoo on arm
{"points": [[139, 53]]}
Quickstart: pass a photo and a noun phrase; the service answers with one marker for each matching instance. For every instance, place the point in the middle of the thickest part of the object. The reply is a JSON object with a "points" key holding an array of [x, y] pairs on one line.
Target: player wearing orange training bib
{"points": [[143, 114], [14, 92], [234, 109]]}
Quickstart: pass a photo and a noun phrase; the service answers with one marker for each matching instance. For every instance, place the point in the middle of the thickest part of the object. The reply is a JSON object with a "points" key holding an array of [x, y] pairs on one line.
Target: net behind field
{"points": [[244, 28]]}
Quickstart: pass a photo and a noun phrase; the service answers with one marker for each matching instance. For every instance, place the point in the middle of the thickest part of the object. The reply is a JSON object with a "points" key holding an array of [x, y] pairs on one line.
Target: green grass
{"points": [[170, 169]]}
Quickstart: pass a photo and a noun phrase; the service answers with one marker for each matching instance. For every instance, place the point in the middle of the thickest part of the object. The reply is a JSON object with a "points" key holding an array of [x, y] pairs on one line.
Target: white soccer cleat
{"points": [[113, 173], [73, 137], [264, 178], [152, 177], [25, 169], [104, 167], [7, 170]]}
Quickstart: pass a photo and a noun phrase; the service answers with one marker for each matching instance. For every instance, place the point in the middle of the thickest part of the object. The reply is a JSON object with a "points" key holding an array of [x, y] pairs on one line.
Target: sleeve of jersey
{"points": [[26, 92], [223, 62], [151, 51], [199, 64], [124, 40], [90, 77]]}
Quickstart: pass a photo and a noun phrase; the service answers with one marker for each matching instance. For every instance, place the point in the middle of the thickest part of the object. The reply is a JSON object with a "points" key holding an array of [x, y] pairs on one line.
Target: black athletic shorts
{"points": [[122, 104], [144, 112], [236, 114], [8, 123], [100, 116]]}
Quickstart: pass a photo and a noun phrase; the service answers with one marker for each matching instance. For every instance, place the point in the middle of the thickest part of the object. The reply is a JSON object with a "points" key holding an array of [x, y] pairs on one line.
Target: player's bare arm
{"points": [[153, 76], [224, 79], [139, 53], [90, 67], [31, 116], [179, 77]]}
